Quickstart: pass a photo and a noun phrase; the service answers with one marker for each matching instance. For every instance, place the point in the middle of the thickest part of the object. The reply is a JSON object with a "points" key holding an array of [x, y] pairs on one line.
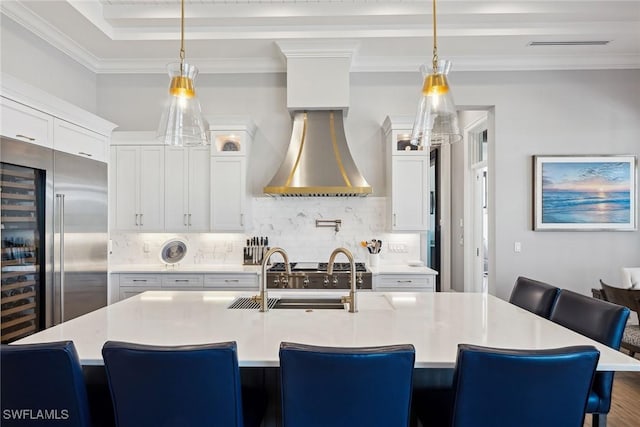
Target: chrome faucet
{"points": [[262, 297], [351, 299]]}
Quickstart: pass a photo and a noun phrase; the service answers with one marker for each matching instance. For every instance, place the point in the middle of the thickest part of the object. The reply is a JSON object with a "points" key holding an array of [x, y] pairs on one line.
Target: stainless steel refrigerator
{"points": [[54, 237]]}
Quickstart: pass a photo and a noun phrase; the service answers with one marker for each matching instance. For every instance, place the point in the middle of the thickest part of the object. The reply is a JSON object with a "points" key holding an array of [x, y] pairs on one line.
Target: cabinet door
{"points": [[176, 189], [26, 124], [410, 193], [79, 141], [126, 188], [151, 188], [228, 192], [199, 189]]}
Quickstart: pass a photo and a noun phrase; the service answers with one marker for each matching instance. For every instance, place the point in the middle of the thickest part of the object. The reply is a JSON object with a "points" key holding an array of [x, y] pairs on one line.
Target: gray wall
{"points": [[34, 61], [563, 112]]}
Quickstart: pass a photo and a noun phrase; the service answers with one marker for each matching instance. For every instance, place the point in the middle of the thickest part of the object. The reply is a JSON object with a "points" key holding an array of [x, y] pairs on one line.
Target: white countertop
{"points": [[185, 269], [433, 322], [256, 269]]}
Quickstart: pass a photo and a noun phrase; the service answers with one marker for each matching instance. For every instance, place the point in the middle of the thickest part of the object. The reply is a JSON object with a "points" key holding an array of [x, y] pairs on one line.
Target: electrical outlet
{"points": [[145, 247], [517, 247]]}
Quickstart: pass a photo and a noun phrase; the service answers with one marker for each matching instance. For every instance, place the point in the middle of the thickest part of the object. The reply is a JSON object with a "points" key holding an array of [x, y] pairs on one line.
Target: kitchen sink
{"points": [[310, 303], [297, 303]]}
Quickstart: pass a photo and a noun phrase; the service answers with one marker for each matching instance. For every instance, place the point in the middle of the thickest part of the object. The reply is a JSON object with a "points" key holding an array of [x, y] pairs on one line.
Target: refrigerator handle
{"points": [[60, 198]]}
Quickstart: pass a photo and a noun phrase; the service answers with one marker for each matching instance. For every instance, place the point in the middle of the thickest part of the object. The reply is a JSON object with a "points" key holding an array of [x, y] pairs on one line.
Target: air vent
{"points": [[572, 43]]}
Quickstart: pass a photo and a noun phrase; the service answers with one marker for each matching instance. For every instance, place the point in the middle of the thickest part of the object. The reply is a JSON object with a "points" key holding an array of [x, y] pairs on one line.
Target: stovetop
{"points": [[317, 267]]}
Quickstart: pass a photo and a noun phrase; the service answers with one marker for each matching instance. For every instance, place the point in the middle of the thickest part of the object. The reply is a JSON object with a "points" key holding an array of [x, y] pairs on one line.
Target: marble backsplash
{"points": [[289, 223]]}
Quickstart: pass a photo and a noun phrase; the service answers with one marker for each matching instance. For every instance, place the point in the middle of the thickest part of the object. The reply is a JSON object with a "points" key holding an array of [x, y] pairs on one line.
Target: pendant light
{"points": [[182, 122], [436, 122]]}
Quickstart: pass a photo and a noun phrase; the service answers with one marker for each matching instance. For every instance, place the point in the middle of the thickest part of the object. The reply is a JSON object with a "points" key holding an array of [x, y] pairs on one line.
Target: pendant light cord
{"points": [[181, 36], [435, 42]]}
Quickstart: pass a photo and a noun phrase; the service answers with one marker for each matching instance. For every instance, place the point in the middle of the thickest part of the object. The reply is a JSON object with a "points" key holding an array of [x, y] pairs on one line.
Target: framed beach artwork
{"points": [[584, 192]]}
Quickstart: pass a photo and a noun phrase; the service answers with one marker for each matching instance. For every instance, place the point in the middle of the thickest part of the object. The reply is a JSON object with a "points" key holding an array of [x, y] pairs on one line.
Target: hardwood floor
{"points": [[625, 407]]}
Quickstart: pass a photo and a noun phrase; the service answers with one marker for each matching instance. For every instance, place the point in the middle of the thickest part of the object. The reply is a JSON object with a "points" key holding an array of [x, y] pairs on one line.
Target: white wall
{"points": [[34, 61], [590, 112]]}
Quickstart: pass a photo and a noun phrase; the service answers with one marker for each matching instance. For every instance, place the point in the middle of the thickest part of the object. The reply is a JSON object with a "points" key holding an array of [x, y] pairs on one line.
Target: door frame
{"points": [[470, 188]]}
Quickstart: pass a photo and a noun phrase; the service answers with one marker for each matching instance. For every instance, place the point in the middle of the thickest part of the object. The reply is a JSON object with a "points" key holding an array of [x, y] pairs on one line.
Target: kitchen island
{"points": [[433, 322]]}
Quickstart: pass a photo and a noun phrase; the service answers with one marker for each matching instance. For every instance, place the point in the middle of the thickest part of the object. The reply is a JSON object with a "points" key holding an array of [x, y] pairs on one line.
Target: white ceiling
{"points": [[141, 36]]}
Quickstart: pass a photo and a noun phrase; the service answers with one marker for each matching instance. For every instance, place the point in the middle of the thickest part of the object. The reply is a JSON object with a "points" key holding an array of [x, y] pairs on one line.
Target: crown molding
{"points": [[205, 66], [308, 47], [410, 64], [318, 48], [47, 32], [24, 93]]}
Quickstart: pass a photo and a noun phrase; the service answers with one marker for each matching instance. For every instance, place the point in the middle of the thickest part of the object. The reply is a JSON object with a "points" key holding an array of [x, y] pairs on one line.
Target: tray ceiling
{"points": [[141, 36]]}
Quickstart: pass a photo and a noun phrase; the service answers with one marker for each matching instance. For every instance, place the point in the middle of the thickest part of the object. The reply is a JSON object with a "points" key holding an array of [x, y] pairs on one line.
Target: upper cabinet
{"points": [[77, 140], [137, 182], [36, 117], [26, 124], [407, 178], [230, 193], [186, 189], [158, 188]]}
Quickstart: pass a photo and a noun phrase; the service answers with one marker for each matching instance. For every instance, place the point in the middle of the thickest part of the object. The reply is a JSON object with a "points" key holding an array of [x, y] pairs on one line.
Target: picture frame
{"points": [[585, 193]]}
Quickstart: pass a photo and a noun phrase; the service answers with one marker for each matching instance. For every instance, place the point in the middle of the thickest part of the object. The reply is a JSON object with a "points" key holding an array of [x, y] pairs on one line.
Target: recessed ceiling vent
{"points": [[572, 43]]}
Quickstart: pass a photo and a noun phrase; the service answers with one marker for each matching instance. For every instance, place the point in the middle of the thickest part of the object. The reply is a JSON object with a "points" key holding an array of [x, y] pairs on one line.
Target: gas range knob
{"points": [[325, 282], [335, 282], [276, 282], [305, 282], [285, 281], [359, 281]]}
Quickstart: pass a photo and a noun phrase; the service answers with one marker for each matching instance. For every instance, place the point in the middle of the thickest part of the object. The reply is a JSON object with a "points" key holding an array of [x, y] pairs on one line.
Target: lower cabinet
{"points": [[404, 282], [125, 285]]}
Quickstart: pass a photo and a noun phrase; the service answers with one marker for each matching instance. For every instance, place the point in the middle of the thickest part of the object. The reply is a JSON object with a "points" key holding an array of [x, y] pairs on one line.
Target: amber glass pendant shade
{"points": [[182, 122]]}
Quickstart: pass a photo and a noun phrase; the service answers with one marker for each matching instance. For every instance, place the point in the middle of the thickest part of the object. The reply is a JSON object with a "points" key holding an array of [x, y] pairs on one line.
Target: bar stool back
{"points": [[345, 387], [45, 379]]}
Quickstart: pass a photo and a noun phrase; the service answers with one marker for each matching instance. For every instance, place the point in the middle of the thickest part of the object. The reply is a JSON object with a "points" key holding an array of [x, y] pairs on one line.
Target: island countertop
{"points": [[433, 322]]}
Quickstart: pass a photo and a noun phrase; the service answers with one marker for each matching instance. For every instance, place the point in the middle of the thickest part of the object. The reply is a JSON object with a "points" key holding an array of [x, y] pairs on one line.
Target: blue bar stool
{"points": [[525, 388], [534, 296], [42, 385], [603, 322], [346, 387], [180, 386]]}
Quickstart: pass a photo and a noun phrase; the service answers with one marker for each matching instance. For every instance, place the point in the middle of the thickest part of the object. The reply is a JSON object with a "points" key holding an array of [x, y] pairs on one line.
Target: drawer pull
{"points": [[139, 280], [85, 154], [231, 280], [25, 137], [403, 281], [181, 280]]}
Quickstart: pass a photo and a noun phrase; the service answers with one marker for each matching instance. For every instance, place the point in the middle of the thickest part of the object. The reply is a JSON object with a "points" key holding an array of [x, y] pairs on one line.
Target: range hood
{"points": [[318, 161]]}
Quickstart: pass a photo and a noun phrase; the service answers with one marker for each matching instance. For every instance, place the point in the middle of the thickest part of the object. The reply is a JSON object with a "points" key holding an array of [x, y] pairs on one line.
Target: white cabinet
{"points": [[187, 189], [231, 281], [230, 192], [404, 282], [77, 140], [26, 124], [125, 285], [139, 188], [407, 178]]}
